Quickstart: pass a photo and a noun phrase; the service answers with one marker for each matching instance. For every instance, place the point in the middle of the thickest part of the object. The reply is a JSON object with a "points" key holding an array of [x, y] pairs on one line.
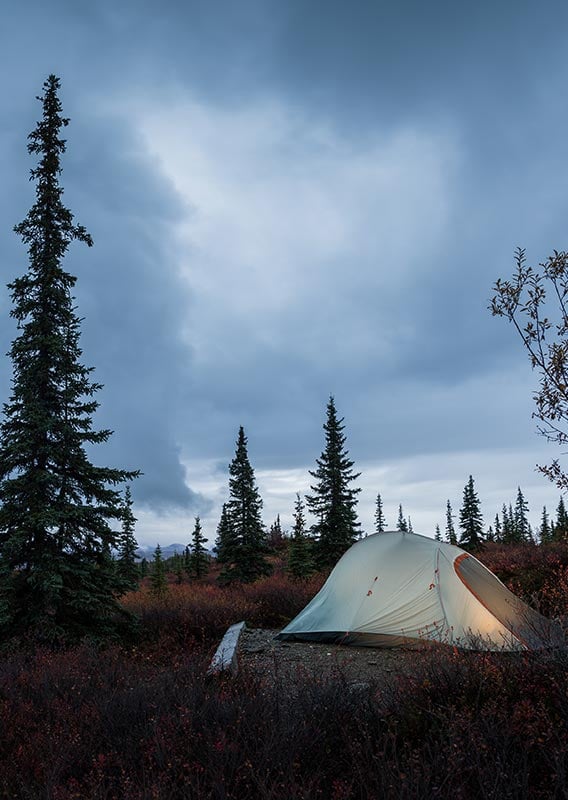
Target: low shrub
{"points": [[89, 724]]}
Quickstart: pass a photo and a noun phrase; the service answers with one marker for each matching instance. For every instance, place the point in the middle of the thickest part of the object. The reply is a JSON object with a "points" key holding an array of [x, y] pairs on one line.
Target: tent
{"points": [[394, 588]]}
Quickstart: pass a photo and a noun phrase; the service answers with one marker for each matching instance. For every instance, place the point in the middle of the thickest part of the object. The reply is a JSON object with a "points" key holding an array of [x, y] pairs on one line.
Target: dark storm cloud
{"points": [[464, 102]]}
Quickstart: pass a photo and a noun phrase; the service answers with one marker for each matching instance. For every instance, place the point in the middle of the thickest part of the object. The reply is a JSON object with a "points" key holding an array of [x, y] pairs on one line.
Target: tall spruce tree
{"points": [[55, 506], [198, 560], [126, 565], [300, 562], [380, 522], [471, 520], [438, 535], [246, 545], [450, 528], [333, 501]]}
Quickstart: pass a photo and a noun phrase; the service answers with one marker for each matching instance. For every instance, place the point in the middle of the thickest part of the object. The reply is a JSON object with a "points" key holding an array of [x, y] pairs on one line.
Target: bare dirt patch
{"points": [[286, 662]]}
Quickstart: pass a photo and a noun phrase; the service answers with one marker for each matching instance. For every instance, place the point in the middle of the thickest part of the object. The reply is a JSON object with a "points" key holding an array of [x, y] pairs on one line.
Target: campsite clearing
{"points": [[287, 662]]}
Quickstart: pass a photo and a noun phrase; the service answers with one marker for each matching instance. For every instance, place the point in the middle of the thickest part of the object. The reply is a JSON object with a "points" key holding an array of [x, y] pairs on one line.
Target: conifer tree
{"points": [[126, 565], [276, 538], [512, 527], [545, 531], [226, 540], [490, 534], [158, 579], [438, 535], [410, 528], [401, 523], [333, 500], [244, 543], [471, 521], [198, 560], [521, 526], [300, 562], [450, 529], [498, 537], [143, 567], [55, 505], [380, 522], [561, 525]]}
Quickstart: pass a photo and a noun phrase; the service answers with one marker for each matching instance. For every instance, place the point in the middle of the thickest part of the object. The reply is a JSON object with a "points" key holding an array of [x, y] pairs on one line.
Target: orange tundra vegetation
{"points": [[140, 720]]}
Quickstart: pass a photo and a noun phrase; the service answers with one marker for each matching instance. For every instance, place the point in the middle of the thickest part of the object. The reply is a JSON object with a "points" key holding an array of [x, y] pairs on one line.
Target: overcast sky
{"points": [[294, 199]]}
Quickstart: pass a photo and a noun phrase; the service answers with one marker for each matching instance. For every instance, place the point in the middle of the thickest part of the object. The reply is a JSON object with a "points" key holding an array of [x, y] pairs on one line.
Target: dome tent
{"points": [[397, 588]]}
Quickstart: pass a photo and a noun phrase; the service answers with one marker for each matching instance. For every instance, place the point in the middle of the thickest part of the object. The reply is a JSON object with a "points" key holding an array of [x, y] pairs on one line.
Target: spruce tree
{"points": [[401, 523], [55, 505], [522, 528], [545, 531], [276, 538], [380, 522], [300, 562], [158, 579], [438, 535], [143, 568], [498, 529], [561, 525], [126, 566], [450, 529], [333, 500], [226, 540], [508, 525], [246, 545], [198, 560], [471, 521]]}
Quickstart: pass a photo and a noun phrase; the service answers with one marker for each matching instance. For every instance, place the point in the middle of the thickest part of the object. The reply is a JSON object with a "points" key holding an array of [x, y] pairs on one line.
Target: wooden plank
{"points": [[225, 658]]}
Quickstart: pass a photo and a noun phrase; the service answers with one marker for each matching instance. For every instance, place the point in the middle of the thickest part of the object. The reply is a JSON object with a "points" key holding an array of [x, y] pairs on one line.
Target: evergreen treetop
{"points": [[545, 531], [300, 562], [333, 501], [471, 520], [198, 562], [561, 524], [245, 544], [380, 522], [450, 529], [522, 529], [401, 523], [126, 565]]}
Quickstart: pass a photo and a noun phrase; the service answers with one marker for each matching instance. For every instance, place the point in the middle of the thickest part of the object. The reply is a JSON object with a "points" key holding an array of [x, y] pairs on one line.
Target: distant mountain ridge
{"points": [[168, 550]]}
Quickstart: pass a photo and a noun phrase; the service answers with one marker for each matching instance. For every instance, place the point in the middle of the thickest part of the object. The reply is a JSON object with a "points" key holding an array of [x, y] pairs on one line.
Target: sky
{"points": [[291, 200]]}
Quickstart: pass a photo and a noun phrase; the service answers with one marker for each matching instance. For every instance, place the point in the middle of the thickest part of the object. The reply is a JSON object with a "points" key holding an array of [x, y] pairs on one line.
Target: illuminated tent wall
{"points": [[396, 588]]}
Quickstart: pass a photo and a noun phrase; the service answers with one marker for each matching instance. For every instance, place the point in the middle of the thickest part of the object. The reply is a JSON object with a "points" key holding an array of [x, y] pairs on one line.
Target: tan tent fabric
{"points": [[396, 588]]}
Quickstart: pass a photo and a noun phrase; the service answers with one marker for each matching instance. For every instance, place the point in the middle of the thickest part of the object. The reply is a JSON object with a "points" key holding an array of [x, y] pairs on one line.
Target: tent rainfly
{"points": [[394, 588]]}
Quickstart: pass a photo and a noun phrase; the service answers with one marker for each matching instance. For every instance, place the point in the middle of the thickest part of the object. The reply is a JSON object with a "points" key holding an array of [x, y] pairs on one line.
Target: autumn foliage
{"points": [[143, 721]]}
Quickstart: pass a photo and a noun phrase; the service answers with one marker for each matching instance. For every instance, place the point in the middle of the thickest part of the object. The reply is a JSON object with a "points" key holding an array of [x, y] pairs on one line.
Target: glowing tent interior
{"points": [[391, 589]]}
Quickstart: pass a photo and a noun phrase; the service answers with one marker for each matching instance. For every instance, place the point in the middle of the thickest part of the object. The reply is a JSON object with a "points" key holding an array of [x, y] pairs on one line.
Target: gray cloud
{"points": [[292, 200]]}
